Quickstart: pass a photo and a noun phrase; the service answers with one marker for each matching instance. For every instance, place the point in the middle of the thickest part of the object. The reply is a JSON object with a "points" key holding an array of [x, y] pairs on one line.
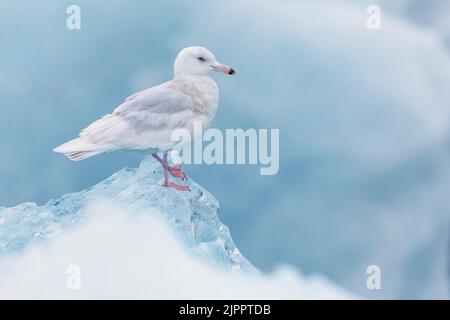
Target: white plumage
{"points": [[146, 119]]}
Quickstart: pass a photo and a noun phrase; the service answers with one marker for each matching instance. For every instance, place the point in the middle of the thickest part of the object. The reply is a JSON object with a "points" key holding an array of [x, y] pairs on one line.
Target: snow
{"points": [[194, 215], [131, 238]]}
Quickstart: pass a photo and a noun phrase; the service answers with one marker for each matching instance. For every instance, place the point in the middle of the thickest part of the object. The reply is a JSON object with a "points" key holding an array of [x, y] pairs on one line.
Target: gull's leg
{"points": [[155, 155], [170, 184], [164, 164], [174, 170]]}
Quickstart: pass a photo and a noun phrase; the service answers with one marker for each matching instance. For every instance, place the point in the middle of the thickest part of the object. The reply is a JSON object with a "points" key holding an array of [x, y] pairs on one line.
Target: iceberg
{"points": [[194, 215], [128, 237]]}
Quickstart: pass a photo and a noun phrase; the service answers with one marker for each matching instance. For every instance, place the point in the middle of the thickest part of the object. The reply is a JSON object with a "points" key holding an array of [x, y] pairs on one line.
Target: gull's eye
{"points": [[201, 59]]}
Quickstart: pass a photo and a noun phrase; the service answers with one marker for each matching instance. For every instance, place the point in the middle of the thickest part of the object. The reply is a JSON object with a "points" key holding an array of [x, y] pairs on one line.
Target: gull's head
{"points": [[198, 61]]}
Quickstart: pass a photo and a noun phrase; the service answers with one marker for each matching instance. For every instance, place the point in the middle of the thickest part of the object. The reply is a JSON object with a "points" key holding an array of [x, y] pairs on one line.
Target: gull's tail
{"points": [[79, 149]]}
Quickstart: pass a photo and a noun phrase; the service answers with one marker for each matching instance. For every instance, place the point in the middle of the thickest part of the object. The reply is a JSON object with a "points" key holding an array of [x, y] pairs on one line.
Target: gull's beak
{"points": [[223, 68]]}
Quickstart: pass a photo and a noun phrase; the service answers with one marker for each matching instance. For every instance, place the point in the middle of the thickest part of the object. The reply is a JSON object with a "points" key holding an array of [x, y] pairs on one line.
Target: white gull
{"points": [[145, 120]]}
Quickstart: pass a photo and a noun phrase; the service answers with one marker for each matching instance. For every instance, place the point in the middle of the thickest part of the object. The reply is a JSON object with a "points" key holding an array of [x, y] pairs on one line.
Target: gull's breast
{"points": [[204, 94]]}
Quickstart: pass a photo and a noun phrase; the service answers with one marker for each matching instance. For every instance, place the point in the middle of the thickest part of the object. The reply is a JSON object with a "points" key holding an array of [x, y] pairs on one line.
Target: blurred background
{"points": [[363, 115]]}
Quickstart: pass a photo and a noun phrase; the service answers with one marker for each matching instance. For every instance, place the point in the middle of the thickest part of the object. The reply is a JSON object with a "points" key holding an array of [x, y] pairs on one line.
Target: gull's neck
{"points": [[189, 76]]}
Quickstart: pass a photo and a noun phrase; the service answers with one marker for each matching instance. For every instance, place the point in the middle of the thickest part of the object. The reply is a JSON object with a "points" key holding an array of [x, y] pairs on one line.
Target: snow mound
{"points": [[117, 256], [129, 238], [193, 215]]}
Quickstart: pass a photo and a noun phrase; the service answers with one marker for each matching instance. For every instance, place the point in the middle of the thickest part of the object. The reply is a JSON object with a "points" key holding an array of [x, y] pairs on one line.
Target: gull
{"points": [[144, 122]]}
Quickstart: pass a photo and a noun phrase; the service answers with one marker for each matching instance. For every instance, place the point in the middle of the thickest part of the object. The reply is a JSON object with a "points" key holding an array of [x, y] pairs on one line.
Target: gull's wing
{"points": [[164, 98], [142, 119]]}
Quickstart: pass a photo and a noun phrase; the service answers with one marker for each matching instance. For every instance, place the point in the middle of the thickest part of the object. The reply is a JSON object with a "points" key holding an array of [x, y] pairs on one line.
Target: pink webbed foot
{"points": [[173, 185], [176, 171]]}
